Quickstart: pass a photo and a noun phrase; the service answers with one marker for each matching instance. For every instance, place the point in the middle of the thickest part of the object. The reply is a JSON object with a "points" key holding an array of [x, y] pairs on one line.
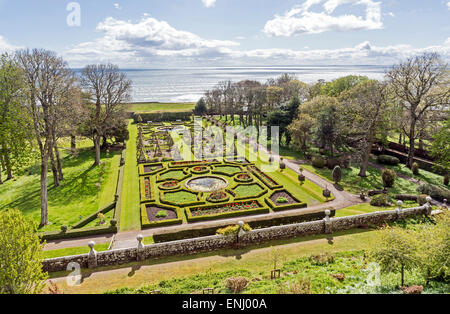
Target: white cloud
{"points": [[151, 42], [448, 5], [5, 46], [209, 3], [117, 6], [148, 37], [301, 20]]}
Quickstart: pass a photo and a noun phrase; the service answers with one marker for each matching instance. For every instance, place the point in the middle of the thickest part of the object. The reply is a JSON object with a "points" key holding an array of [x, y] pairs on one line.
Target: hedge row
{"points": [[276, 207], [147, 224], [248, 212], [77, 233], [162, 116], [264, 179]]}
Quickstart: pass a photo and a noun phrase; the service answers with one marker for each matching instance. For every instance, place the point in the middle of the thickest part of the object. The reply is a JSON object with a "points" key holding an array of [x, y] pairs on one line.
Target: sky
{"points": [[174, 33]]}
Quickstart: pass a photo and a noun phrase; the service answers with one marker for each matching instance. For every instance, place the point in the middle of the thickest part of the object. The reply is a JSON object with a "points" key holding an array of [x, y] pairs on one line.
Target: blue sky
{"points": [[150, 33]]}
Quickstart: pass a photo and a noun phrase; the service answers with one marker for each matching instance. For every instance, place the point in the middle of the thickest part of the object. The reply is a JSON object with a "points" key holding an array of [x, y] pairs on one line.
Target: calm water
{"points": [[189, 84]]}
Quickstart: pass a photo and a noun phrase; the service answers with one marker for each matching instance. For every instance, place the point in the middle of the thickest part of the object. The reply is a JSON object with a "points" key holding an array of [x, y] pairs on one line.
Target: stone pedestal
{"points": [[140, 248], [328, 222], [92, 256]]}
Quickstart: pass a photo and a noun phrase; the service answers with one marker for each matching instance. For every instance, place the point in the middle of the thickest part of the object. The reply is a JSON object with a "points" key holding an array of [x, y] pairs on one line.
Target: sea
{"points": [[189, 84]]}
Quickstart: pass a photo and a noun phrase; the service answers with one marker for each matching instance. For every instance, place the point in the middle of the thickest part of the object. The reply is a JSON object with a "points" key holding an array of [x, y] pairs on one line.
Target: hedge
{"points": [[142, 190], [275, 207], [388, 160], [146, 224], [434, 191], [263, 178], [248, 212], [77, 233], [163, 116]]}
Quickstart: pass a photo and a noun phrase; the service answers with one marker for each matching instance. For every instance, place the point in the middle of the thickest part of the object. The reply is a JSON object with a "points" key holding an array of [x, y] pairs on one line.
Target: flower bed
{"points": [[271, 183], [170, 185], [283, 200], [243, 177], [200, 170], [151, 216], [191, 163], [218, 197]]}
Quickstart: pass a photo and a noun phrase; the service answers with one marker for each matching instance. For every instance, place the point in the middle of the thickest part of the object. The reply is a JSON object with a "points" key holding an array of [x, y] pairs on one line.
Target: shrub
{"points": [[113, 222], [381, 200], [301, 177], [333, 162], [322, 259], [337, 174], [161, 214], [236, 284], [326, 193], [388, 177], [412, 290], [446, 179], [434, 191], [63, 228], [415, 168], [232, 230], [282, 166], [282, 200], [388, 160], [318, 162], [422, 199], [302, 286]]}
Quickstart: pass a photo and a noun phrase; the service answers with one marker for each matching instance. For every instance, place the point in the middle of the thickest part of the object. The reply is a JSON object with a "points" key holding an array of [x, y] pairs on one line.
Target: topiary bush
{"points": [[113, 223], [434, 191], [337, 174], [388, 160], [63, 228], [388, 177], [381, 200], [422, 199], [318, 162]]}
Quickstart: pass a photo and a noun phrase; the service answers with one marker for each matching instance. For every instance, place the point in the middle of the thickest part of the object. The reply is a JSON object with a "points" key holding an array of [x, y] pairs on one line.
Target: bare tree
{"points": [[421, 84], [46, 77], [109, 90]]}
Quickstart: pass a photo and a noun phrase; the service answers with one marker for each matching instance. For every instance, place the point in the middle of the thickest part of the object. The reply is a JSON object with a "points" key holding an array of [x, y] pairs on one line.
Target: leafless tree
{"points": [[110, 90], [421, 84]]}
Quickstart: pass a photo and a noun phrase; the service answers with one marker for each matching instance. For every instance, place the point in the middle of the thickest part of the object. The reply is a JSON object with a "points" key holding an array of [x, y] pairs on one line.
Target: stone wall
{"points": [[212, 243]]}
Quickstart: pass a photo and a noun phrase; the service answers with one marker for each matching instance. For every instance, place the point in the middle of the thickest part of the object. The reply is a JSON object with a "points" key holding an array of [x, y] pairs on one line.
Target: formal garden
{"points": [[222, 185]]}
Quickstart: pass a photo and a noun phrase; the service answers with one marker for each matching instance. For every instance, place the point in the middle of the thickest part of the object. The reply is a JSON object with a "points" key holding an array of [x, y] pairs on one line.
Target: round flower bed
{"points": [[218, 197], [243, 177], [200, 170], [170, 185]]}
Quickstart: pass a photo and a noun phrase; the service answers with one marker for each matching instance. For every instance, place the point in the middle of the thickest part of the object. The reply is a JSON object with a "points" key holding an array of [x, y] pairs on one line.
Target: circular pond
{"points": [[206, 184]]}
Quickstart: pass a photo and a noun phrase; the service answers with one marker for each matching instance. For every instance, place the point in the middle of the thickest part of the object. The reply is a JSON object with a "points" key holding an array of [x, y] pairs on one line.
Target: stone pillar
{"points": [[399, 209], [140, 248], [428, 206], [328, 222], [241, 231], [92, 256]]}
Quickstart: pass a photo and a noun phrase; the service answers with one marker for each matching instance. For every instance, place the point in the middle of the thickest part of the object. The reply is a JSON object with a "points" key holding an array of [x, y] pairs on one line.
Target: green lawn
{"points": [[181, 197], [74, 251], [424, 176], [354, 184], [160, 107], [367, 208], [84, 190], [248, 190], [131, 214]]}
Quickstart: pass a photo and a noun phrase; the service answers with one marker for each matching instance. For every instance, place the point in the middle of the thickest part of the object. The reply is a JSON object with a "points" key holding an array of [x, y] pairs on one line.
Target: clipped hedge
{"points": [[147, 224], [248, 212], [77, 233], [163, 116], [380, 200], [388, 160], [276, 207]]}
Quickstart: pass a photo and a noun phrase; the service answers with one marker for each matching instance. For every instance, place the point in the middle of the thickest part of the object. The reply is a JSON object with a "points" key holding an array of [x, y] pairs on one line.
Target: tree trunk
{"points": [[44, 198], [2, 161], [59, 163], [97, 150], [400, 138], [53, 164], [73, 143], [403, 275], [412, 143], [366, 158], [104, 143], [9, 174]]}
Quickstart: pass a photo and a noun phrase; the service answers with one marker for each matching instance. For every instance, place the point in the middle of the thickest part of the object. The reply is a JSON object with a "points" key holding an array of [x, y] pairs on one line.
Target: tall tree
{"points": [[46, 77], [15, 142], [110, 90], [363, 112], [420, 84]]}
